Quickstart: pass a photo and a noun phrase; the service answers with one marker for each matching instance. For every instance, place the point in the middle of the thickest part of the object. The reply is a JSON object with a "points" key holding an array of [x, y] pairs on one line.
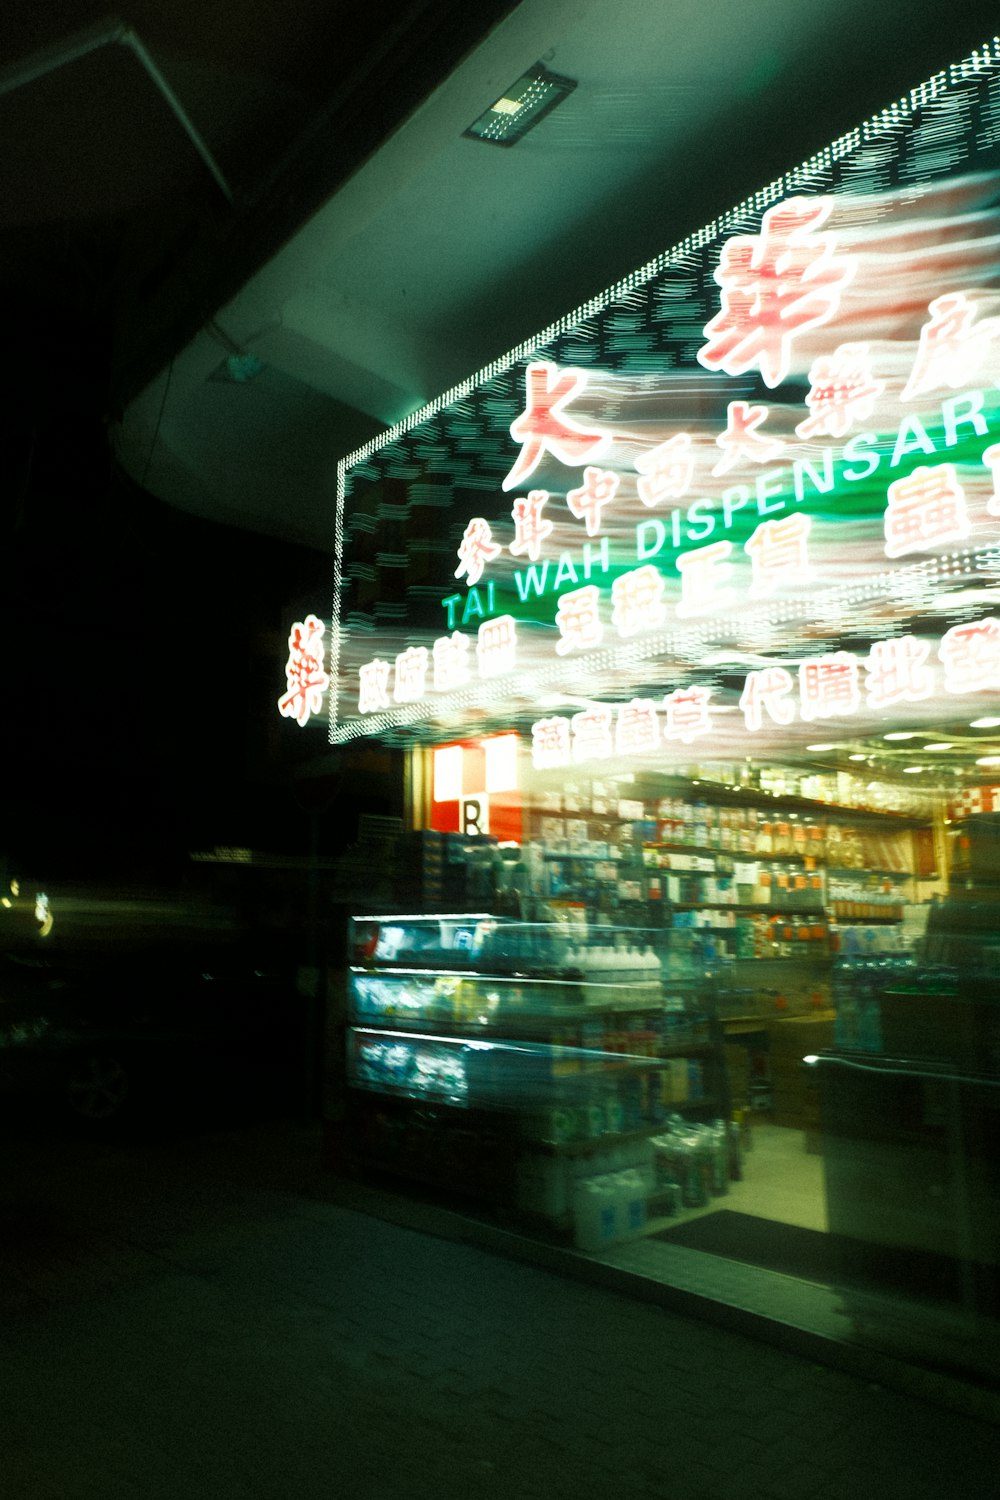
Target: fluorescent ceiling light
{"points": [[988, 760], [521, 107], [857, 757], [821, 747], [987, 723], [900, 734], [940, 745], [912, 770]]}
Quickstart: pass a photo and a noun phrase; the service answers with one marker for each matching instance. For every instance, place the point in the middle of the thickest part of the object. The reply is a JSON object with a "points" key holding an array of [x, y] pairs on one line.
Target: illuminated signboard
{"points": [[754, 486]]}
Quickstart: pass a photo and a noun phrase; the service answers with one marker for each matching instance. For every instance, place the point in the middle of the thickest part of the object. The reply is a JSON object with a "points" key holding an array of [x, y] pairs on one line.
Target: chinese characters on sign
{"points": [[837, 684], [307, 681], [884, 444]]}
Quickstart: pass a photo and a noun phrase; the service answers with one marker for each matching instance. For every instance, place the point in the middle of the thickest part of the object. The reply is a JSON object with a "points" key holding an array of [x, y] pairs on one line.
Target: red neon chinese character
{"points": [[952, 348], [550, 743], [637, 727], [687, 713], [476, 550], [897, 671], [767, 688], [774, 285], [579, 620], [740, 439], [587, 502], [530, 530], [971, 656], [592, 733], [778, 554], [702, 571], [828, 686], [637, 599], [991, 458], [307, 682], [667, 471], [544, 425], [451, 662], [843, 391], [925, 508], [496, 646], [374, 691], [410, 682]]}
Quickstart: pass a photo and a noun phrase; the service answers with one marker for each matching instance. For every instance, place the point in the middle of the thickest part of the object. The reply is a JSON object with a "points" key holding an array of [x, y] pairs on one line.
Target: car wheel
{"points": [[98, 1087]]}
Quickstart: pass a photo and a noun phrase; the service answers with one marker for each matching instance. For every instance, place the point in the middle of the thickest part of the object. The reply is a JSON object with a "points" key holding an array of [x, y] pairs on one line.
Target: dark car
{"points": [[152, 1033]]}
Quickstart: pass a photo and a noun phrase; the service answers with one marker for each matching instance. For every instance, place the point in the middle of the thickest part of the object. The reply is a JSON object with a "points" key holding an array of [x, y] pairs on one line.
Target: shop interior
{"points": [[743, 1007]]}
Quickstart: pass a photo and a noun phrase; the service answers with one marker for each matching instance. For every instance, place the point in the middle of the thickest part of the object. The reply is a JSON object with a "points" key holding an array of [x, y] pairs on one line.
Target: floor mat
{"points": [[814, 1255]]}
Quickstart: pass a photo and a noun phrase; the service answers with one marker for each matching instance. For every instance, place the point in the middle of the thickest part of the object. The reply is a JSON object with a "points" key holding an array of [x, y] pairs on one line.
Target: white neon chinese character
{"points": [[550, 743], [667, 471], [579, 620], [702, 573], [496, 646], [897, 671], [828, 686], [971, 656], [477, 548], [543, 425], [592, 733], [637, 599], [307, 682], [451, 662], [952, 346], [774, 285], [410, 682], [843, 391], [925, 508], [530, 529], [741, 438], [778, 554], [687, 713], [597, 491], [769, 688], [374, 691], [637, 727]]}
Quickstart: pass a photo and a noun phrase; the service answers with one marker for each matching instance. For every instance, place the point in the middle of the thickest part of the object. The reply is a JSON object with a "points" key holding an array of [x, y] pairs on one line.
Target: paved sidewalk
{"points": [[194, 1319]]}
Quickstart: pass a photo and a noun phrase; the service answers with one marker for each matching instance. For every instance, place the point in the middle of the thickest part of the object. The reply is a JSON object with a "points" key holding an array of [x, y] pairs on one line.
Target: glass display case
{"points": [[522, 1040]]}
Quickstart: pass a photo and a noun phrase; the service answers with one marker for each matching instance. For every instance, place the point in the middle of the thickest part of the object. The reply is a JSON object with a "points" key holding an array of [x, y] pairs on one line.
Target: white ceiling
{"points": [[441, 253]]}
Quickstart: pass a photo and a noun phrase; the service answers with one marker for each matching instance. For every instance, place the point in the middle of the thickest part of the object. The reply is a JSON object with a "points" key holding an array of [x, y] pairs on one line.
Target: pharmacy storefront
{"points": [[688, 615]]}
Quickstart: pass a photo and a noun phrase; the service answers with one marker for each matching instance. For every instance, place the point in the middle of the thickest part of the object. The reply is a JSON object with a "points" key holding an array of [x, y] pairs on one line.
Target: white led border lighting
{"points": [[894, 118]]}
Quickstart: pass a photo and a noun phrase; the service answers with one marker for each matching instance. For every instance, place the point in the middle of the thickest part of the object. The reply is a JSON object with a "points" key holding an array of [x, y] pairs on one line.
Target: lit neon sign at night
{"points": [[823, 453]]}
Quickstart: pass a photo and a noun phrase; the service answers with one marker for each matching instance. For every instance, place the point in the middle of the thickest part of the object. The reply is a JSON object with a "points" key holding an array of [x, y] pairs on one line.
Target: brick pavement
{"points": [[196, 1320]]}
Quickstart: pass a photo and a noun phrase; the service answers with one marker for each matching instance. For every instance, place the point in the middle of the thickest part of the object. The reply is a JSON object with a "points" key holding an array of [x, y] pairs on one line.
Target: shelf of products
{"points": [[569, 1044]]}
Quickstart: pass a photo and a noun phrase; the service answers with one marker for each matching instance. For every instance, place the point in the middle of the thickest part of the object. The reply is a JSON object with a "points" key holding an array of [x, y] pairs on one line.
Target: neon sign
{"points": [[758, 439], [829, 686], [306, 679]]}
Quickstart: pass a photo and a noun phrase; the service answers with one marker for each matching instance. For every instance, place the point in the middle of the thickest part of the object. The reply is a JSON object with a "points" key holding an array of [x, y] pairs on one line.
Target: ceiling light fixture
{"points": [[988, 760], [900, 734], [521, 107], [912, 770], [940, 745], [821, 747], [857, 757], [987, 723]]}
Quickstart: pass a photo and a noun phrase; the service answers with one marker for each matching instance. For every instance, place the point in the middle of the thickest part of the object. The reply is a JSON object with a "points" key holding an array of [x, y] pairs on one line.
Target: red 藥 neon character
{"points": [[842, 392], [304, 674], [775, 285]]}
